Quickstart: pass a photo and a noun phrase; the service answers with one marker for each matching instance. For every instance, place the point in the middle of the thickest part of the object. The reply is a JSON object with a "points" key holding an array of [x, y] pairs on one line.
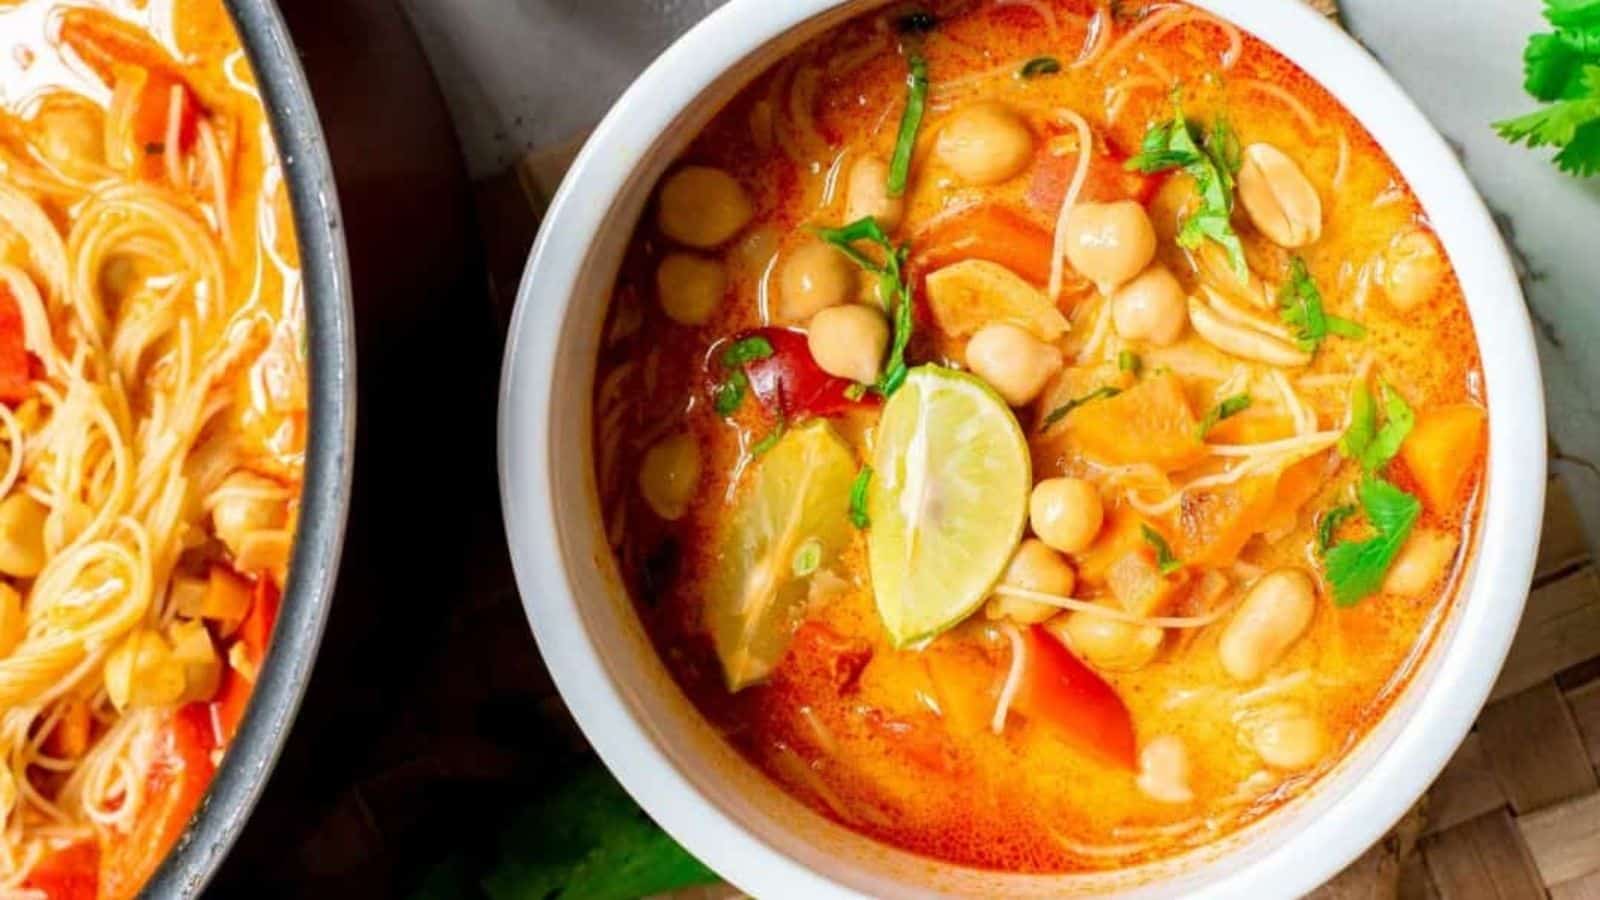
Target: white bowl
{"points": [[702, 791]]}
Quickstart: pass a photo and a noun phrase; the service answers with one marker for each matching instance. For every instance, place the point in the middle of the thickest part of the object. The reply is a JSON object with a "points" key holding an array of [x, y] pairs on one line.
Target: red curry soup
{"points": [[1040, 435], [152, 427]]}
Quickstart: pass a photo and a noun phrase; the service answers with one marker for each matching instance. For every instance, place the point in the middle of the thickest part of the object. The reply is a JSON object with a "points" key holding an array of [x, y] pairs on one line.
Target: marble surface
{"points": [[525, 74]]}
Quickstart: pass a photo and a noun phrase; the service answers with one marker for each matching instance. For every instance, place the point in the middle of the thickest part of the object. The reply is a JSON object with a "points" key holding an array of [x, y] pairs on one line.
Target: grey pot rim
{"points": [[329, 463]]}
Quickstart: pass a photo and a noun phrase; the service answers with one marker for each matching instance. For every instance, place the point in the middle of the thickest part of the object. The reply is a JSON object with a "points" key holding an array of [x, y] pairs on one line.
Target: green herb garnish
{"points": [[1167, 562], [807, 558], [911, 120], [1211, 159], [893, 288], [1227, 409], [1039, 65], [729, 393], [1129, 361], [1563, 70], [858, 499], [1355, 569], [759, 448], [855, 392], [1065, 409], [1300, 305], [1328, 525], [1364, 441]]}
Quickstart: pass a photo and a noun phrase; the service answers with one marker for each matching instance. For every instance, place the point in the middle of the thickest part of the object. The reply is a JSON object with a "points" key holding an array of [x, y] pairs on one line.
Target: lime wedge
{"points": [[947, 502], [791, 522]]}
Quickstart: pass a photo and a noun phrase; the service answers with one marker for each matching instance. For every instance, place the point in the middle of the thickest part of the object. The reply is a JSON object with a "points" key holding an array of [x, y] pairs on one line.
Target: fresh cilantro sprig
{"points": [[893, 288], [1129, 361], [1167, 562], [1328, 525], [858, 499], [729, 392], [1227, 409], [1065, 409], [1300, 305], [1212, 159], [1356, 569], [1563, 71]]}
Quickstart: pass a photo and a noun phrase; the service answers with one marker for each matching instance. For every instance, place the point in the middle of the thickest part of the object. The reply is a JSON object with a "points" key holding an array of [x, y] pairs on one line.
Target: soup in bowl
{"points": [[1041, 438]]}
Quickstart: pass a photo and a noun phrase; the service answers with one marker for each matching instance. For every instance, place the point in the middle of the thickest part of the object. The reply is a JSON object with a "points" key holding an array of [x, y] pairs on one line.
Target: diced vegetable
{"points": [[1066, 696], [1150, 422], [1443, 450], [789, 383], [970, 294], [1108, 180], [1138, 581], [1215, 523], [989, 232], [1356, 569], [1122, 533], [15, 364], [71, 873]]}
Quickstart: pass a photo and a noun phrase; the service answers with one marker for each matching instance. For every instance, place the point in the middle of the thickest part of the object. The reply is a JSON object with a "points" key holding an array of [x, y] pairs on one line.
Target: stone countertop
{"points": [[521, 75]]}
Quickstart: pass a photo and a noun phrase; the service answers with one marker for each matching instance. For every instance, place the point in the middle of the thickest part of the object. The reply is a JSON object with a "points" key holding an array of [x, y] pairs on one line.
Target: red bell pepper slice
{"points": [[789, 383], [15, 364], [1060, 692]]}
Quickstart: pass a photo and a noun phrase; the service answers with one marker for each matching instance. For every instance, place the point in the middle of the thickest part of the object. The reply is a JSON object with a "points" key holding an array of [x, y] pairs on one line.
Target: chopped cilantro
{"points": [[1062, 411], [1300, 305], [1364, 441], [728, 394], [1129, 361], [759, 448], [1211, 159], [892, 287], [1227, 409], [1328, 525], [910, 122], [858, 499], [1166, 561], [1355, 569]]}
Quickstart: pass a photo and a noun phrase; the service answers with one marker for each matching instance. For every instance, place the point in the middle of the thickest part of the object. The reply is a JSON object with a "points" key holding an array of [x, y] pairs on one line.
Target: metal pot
{"points": [[329, 465]]}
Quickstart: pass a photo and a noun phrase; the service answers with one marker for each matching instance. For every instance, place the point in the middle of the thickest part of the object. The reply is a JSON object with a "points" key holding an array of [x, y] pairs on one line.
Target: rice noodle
{"points": [[1058, 251], [1008, 691], [1098, 36], [1107, 612], [1283, 96]]}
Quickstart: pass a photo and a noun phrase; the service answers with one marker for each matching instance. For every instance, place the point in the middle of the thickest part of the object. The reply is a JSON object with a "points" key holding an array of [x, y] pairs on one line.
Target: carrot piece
{"points": [[16, 380], [71, 873], [1065, 695], [1443, 450], [1118, 536], [1214, 524], [964, 686], [1150, 422], [256, 629], [1296, 486], [233, 696], [986, 231], [106, 42]]}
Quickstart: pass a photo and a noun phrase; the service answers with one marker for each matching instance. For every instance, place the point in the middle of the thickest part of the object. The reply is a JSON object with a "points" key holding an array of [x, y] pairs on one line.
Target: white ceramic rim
{"points": [[1473, 646]]}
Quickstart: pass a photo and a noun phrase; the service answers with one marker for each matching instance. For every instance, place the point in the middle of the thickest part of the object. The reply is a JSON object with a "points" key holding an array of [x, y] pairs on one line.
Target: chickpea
{"points": [[1034, 567], [1109, 243], [813, 277], [1109, 644], [1066, 513], [984, 144], [867, 194], [1422, 561], [1014, 362], [669, 475], [849, 341], [1413, 268], [71, 131], [690, 287], [1279, 198], [246, 503], [1151, 307], [1286, 738], [22, 535], [1164, 771], [702, 207], [1271, 618]]}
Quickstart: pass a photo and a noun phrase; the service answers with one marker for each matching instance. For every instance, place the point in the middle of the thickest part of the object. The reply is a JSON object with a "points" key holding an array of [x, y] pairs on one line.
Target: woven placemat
{"points": [[1516, 812]]}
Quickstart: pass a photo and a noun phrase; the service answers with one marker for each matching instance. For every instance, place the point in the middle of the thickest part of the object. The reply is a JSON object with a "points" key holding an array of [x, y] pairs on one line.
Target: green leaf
{"points": [[1356, 569], [1328, 525], [1167, 562], [858, 499], [1300, 307], [1364, 441], [1228, 408], [1062, 411], [807, 558], [1129, 361], [746, 350], [910, 122], [894, 288], [729, 393], [588, 841], [760, 448], [1039, 65]]}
